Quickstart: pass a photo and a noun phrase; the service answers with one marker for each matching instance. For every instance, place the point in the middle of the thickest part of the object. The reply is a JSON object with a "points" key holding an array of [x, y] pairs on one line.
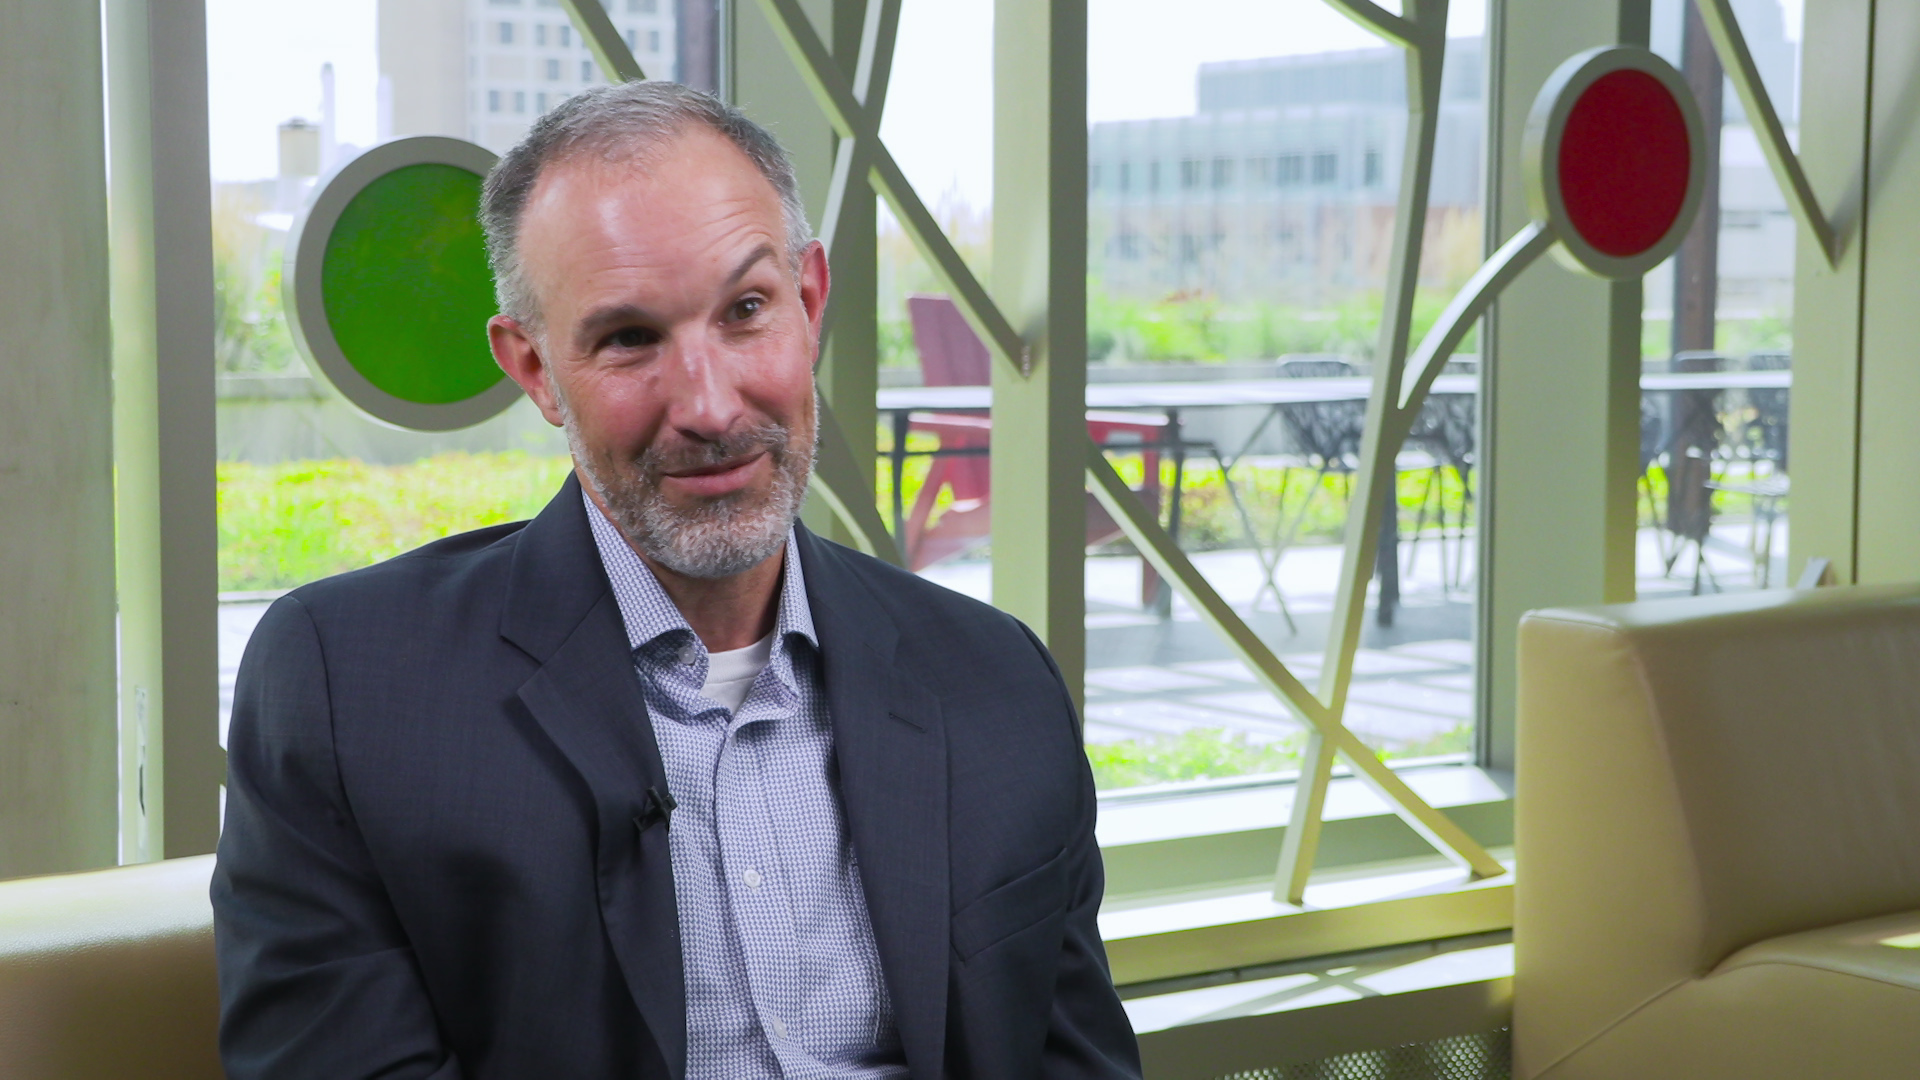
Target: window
{"points": [[586, 71], [1714, 509], [1093, 176], [540, 103], [1370, 167], [633, 39], [540, 33], [643, 7], [1126, 176], [653, 41], [304, 491], [1153, 176], [1194, 291], [553, 70], [566, 37], [519, 101]]}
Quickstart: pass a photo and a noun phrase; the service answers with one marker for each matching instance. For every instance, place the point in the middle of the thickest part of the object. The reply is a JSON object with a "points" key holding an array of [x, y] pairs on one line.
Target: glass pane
{"points": [[1718, 341], [1244, 172], [308, 485], [943, 139]]}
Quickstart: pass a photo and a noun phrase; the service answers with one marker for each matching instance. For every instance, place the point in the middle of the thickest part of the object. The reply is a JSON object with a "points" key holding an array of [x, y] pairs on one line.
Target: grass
{"points": [[1199, 754], [1219, 754], [285, 525], [288, 524]]}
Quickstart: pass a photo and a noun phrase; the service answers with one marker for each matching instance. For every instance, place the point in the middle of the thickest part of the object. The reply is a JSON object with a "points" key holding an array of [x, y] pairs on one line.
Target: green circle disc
{"points": [[406, 287]]}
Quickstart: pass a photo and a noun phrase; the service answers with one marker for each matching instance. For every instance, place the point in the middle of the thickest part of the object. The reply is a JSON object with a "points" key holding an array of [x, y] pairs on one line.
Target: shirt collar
{"points": [[649, 613]]}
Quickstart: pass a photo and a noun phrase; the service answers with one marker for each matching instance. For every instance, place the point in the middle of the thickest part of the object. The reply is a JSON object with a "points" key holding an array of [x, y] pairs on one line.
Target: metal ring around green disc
{"points": [[387, 289]]}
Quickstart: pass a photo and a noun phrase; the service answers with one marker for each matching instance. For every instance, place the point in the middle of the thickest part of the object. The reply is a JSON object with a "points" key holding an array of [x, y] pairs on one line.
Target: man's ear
{"points": [[515, 350], [814, 283]]}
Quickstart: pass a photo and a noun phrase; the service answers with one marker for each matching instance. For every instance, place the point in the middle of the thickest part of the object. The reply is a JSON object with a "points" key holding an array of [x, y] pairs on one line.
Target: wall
{"points": [[57, 732], [1856, 446], [423, 55], [1559, 390], [271, 419]]}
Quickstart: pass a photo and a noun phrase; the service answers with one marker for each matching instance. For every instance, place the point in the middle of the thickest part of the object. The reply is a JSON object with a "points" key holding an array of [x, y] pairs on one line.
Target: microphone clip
{"points": [[658, 810]]}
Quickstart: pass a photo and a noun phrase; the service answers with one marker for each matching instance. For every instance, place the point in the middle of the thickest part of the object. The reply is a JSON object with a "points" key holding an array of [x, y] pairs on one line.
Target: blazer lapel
{"points": [[586, 697], [892, 754]]}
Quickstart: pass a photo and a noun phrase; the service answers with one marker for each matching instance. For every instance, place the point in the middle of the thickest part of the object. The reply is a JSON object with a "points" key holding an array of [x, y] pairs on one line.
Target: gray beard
{"points": [[717, 538]]}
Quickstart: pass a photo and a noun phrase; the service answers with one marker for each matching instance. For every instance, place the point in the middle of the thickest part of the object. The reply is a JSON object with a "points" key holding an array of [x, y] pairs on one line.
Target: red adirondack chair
{"points": [[952, 355]]}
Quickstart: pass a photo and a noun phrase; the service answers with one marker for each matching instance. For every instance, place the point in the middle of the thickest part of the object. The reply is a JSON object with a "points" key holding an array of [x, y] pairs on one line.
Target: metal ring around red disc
{"points": [[1613, 160]]}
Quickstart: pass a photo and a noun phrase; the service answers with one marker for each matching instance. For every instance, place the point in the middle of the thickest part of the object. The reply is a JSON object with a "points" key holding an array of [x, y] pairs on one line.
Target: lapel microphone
{"points": [[658, 809]]}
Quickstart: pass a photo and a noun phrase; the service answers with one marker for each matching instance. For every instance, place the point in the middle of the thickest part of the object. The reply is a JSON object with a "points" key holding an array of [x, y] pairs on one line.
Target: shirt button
{"points": [[688, 656], [752, 878], [779, 1027]]}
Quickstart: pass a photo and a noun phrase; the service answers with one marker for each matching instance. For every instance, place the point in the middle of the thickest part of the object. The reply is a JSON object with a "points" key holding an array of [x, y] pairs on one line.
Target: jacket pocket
{"points": [[1019, 904]]}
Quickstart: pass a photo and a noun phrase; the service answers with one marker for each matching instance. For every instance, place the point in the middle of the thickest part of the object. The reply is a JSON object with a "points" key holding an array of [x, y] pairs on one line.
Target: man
{"points": [[657, 784]]}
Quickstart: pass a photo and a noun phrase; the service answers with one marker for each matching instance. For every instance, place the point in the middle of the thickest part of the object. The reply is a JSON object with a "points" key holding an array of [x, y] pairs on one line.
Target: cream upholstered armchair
{"points": [[1718, 838], [109, 975]]}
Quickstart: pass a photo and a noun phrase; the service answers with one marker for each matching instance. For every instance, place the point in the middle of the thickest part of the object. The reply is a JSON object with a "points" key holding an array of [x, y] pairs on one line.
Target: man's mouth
{"points": [[716, 480]]}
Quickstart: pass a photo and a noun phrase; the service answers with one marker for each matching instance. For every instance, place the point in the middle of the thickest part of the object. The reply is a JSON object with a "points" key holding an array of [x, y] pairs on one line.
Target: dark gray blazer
{"points": [[436, 861]]}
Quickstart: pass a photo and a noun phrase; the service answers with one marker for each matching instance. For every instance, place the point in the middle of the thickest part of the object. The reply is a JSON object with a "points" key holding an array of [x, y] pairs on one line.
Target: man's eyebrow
{"points": [[764, 251], [600, 320]]}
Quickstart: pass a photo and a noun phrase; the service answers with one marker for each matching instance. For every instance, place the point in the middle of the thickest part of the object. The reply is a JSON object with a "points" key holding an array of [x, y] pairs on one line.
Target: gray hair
{"points": [[618, 123]]}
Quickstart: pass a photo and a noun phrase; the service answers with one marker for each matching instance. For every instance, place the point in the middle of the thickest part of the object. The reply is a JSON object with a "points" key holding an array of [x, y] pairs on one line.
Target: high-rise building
{"points": [[484, 70], [1283, 184]]}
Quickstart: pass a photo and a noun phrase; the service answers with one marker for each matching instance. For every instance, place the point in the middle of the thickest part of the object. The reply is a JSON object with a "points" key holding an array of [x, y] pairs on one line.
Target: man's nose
{"points": [[703, 400]]}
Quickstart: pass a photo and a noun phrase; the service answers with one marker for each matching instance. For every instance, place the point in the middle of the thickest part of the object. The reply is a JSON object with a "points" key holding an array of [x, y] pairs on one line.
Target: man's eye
{"points": [[633, 337], [747, 308]]}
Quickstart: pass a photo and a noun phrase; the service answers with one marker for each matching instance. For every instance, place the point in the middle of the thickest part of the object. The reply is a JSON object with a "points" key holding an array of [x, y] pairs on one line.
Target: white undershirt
{"points": [[730, 674]]}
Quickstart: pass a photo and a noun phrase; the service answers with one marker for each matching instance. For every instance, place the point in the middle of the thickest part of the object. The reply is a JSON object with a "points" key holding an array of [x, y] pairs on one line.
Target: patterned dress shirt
{"points": [[782, 975]]}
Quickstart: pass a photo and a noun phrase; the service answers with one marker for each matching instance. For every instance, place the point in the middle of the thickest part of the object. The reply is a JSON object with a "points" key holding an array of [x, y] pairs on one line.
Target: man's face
{"points": [[678, 343]]}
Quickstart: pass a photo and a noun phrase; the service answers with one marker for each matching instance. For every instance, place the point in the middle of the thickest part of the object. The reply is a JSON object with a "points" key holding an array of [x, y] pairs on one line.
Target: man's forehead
{"points": [[679, 213], [682, 173]]}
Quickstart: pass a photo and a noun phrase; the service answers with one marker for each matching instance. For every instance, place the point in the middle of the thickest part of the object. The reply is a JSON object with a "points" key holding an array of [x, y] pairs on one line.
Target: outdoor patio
{"points": [[1149, 676]]}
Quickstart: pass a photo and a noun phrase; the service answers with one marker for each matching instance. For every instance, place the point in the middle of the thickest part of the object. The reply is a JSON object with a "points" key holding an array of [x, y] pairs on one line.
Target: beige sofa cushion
{"points": [[1885, 950], [109, 975], [1834, 1002], [1699, 777]]}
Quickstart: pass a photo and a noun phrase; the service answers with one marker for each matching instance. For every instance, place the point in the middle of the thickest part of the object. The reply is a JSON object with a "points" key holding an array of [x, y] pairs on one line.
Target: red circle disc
{"points": [[1624, 163]]}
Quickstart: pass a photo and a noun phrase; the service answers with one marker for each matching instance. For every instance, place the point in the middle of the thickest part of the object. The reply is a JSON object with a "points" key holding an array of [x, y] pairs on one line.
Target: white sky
{"points": [[264, 58], [1140, 63], [263, 67]]}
